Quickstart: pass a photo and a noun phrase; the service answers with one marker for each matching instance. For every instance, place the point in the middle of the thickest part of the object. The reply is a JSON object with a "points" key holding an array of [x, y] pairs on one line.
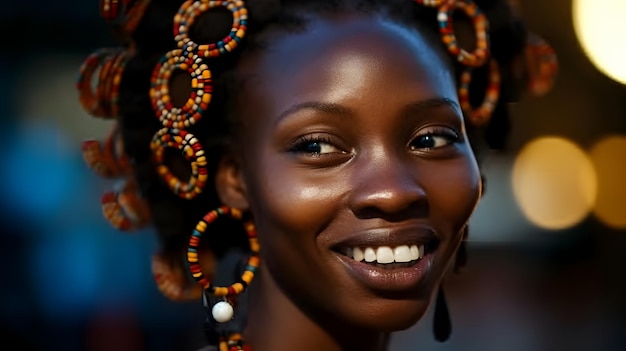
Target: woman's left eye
{"points": [[434, 139]]}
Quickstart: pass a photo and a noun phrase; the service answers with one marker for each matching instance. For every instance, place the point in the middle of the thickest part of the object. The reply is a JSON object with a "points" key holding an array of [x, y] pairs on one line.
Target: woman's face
{"points": [[353, 145]]}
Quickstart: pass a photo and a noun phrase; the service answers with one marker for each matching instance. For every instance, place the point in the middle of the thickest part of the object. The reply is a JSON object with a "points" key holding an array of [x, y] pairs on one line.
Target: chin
{"points": [[394, 315]]}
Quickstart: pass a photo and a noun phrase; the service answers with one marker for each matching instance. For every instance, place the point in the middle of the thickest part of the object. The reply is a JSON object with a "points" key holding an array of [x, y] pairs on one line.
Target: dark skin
{"points": [[363, 139]]}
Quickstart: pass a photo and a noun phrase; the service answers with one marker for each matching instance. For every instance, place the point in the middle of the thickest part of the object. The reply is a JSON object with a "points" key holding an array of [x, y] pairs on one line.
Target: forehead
{"points": [[339, 56]]}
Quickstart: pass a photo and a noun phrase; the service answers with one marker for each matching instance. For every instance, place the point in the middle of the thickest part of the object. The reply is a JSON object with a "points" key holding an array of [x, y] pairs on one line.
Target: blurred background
{"points": [[547, 249]]}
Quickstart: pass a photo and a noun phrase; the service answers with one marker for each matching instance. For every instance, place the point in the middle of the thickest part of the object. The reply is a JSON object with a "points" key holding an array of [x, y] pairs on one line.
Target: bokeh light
{"points": [[609, 159], [601, 30], [554, 183]]}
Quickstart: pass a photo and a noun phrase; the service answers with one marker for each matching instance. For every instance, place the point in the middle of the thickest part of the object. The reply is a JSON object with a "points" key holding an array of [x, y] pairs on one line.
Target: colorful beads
{"points": [[170, 281], [480, 55], [188, 114], [192, 254], [191, 10], [125, 210], [482, 114], [104, 102], [123, 15], [542, 65], [106, 159], [192, 151]]}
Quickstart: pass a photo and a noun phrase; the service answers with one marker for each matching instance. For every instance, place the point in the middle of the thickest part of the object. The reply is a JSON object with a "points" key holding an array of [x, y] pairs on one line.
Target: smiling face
{"points": [[353, 150]]}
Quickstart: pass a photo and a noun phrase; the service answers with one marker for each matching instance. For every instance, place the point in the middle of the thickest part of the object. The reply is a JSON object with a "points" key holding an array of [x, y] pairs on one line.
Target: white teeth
{"points": [[402, 253], [370, 255], [357, 254], [386, 254], [415, 252]]}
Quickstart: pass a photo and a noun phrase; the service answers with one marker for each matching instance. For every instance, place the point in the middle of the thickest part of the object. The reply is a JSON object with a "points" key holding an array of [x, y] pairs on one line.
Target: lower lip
{"points": [[389, 280]]}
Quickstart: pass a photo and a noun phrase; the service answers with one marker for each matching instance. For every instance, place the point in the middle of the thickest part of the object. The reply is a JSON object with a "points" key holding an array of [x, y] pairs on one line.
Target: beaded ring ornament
{"points": [[124, 209], [171, 281], [198, 102], [106, 159], [192, 151], [480, 116], [191, 10], [542, 65], [446, 10], [124, 15]]}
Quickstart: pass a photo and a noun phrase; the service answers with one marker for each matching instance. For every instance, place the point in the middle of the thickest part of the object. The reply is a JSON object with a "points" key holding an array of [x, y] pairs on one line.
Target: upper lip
{"points": [[390, 236]]}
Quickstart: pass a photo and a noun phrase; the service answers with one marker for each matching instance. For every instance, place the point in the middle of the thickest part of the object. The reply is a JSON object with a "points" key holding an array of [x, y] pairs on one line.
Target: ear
{"points": [[229, 183]]}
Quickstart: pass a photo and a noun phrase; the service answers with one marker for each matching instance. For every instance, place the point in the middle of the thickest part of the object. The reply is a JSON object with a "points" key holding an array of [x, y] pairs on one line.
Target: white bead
{"points": [[222, 312]]}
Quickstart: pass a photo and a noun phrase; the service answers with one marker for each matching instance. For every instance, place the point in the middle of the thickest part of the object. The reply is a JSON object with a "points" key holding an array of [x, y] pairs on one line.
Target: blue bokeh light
{"points": [[39, 169]]}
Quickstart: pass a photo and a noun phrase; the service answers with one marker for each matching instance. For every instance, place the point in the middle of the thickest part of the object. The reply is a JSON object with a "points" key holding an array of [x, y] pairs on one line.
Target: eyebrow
{"points": [[337, 109]]}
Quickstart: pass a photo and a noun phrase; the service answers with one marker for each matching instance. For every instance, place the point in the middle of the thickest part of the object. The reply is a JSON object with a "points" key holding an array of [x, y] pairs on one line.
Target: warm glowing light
{"points": [[609, 159], [601, 29], [554, 183]]}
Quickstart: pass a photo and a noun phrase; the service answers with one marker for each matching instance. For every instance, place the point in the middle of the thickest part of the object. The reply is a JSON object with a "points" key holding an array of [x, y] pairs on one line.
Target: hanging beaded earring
{"points": [[223, 310]]}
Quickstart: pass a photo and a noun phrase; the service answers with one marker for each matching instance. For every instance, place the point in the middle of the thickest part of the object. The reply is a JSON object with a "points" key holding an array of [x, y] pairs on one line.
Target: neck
{"points": [[276, 323]]}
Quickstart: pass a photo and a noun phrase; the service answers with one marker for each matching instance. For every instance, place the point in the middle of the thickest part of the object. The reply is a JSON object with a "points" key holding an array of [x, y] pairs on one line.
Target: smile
{"points": [[389, 259], [386, 255]]}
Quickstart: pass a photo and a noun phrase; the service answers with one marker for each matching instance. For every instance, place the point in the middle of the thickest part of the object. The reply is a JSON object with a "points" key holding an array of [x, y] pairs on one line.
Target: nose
{"points": [[387, 187]]}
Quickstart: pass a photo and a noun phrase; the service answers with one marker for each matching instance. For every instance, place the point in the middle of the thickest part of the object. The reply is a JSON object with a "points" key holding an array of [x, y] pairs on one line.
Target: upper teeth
{"points": [[386, 254]]}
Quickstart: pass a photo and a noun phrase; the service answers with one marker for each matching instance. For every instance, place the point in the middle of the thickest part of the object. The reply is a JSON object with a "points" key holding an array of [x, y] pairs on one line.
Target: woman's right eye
{"points": [[315, 146]]}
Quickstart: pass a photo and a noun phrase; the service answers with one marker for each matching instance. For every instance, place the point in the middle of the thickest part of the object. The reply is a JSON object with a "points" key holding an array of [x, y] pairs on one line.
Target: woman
{"points": [[338, 130]]}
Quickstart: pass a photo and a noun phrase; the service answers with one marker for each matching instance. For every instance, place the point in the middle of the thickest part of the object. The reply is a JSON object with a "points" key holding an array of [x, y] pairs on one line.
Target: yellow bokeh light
{"points": [[609, 159], [601, 29], [554, 183]]}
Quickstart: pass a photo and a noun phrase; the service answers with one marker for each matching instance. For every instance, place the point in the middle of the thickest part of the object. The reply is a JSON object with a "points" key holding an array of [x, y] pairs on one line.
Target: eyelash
{"points": [[300, 145], [450, 136]]}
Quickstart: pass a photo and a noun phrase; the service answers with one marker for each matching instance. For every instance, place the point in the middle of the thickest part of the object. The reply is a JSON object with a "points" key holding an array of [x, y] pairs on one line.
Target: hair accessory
{"points": [[87, 97], [446, 10], [189, 12], [431, 3], [104, 101], [198, 102], [124, 15], [125, 210], [542, 65], [107, 159], [481, 115], [192, 151], [171, 281]]}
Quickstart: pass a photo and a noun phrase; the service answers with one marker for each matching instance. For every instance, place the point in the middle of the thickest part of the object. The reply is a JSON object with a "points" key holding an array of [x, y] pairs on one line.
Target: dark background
{"points": [[71, 282]]}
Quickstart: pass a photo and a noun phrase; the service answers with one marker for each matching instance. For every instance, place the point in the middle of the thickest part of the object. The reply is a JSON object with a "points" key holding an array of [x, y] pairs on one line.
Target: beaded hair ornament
{"points": [[126, 210]]}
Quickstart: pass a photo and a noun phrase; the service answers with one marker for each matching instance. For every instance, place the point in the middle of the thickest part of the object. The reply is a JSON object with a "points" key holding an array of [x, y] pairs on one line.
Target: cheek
{"points": [[293, 204], [453, 190]]}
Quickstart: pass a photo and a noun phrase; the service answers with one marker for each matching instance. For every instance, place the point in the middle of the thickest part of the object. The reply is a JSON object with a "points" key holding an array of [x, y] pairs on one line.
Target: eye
{"points": [[314, 146], [433, 138]]}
